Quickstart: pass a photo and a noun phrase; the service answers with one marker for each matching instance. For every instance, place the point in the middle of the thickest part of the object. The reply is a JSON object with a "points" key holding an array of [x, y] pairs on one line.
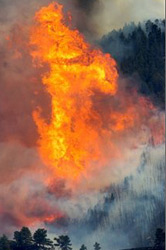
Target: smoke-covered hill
{"points": [[127, 214], [139, 51]]}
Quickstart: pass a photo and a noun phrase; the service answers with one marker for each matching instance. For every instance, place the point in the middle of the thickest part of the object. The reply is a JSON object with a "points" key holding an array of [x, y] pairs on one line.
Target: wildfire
{"points": [[76, 140]]}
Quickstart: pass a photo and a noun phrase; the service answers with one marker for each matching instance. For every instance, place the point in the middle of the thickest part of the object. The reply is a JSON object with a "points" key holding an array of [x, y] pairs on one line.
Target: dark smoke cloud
{"points": [[86, 5], [83, 12]]}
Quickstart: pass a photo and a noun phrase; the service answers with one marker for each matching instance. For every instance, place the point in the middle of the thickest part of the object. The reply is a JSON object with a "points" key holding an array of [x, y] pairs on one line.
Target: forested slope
{"points": [[140, 53]]}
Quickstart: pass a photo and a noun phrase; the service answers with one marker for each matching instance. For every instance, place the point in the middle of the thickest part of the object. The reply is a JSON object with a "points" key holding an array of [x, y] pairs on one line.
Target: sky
{"points": [[118, 12], [93, 17], [106, 15]]}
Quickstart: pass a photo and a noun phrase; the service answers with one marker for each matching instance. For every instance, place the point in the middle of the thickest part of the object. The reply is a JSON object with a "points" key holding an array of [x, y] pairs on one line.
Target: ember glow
{"points": [[76, 141]]}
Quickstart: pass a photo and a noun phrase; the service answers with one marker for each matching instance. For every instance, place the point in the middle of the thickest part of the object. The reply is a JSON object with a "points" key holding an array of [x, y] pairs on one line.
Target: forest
{"points": [[25, 240], [140, 53]]}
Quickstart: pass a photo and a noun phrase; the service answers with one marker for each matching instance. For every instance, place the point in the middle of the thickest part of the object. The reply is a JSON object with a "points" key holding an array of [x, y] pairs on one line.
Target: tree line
{"points": [[25, 240]]}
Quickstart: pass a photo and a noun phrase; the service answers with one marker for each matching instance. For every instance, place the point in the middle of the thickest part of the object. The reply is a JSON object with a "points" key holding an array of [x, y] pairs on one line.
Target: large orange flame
{"points": [[76, 140]]}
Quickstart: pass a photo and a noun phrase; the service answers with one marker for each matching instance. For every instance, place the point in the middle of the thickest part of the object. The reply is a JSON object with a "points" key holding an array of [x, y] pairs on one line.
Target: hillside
{"points": [[140, 53], [127, 214]]}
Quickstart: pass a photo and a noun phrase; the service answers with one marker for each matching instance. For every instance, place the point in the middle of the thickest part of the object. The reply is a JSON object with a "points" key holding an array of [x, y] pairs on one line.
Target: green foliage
{"points": [[63, 242]]}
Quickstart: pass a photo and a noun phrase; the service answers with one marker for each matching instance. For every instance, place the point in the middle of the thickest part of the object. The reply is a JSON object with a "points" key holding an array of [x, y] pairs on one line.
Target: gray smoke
{"points": [[102, 16], [126, 214]]}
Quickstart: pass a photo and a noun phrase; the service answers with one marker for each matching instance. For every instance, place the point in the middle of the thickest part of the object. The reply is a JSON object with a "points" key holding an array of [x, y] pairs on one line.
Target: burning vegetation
{"points": [[86, 115]]}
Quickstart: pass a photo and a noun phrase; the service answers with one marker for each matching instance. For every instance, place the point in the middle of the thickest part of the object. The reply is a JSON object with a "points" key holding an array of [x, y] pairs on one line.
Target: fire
{"points": [[76, 140]]}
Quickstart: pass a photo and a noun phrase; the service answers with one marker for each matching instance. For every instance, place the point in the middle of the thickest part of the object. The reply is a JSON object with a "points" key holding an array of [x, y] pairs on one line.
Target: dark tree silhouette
{"points": [[4, 243], [63, 242], [41, 241], [23, 239], [83, 247], [140, 53], [97, 246], [160, 239]]}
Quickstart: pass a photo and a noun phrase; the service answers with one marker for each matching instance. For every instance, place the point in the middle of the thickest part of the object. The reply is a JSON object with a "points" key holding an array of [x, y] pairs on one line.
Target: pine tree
{"points": [[4, 243], [63, 242], [83, 247], [97, 246], [160, 239], [40, 239], [23, 239]]}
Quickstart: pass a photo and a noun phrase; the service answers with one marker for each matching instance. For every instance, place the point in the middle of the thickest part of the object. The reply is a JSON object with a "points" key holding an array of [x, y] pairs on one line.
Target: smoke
{"points": [[134, 213], [29, 194], [130, 210], [96, 18]]}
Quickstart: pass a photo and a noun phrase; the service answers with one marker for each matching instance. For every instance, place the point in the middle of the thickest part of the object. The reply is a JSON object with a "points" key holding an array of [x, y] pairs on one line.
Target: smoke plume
{"points": [[98, 17]]}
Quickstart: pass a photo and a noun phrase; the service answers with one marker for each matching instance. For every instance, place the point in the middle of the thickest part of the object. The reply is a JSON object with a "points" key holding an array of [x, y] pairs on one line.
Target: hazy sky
{"points": [[95, 17], [113, 14]]}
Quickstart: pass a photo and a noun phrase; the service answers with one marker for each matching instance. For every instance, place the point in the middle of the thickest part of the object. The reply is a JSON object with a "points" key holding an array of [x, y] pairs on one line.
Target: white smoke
{"points": [[132, 217]]}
